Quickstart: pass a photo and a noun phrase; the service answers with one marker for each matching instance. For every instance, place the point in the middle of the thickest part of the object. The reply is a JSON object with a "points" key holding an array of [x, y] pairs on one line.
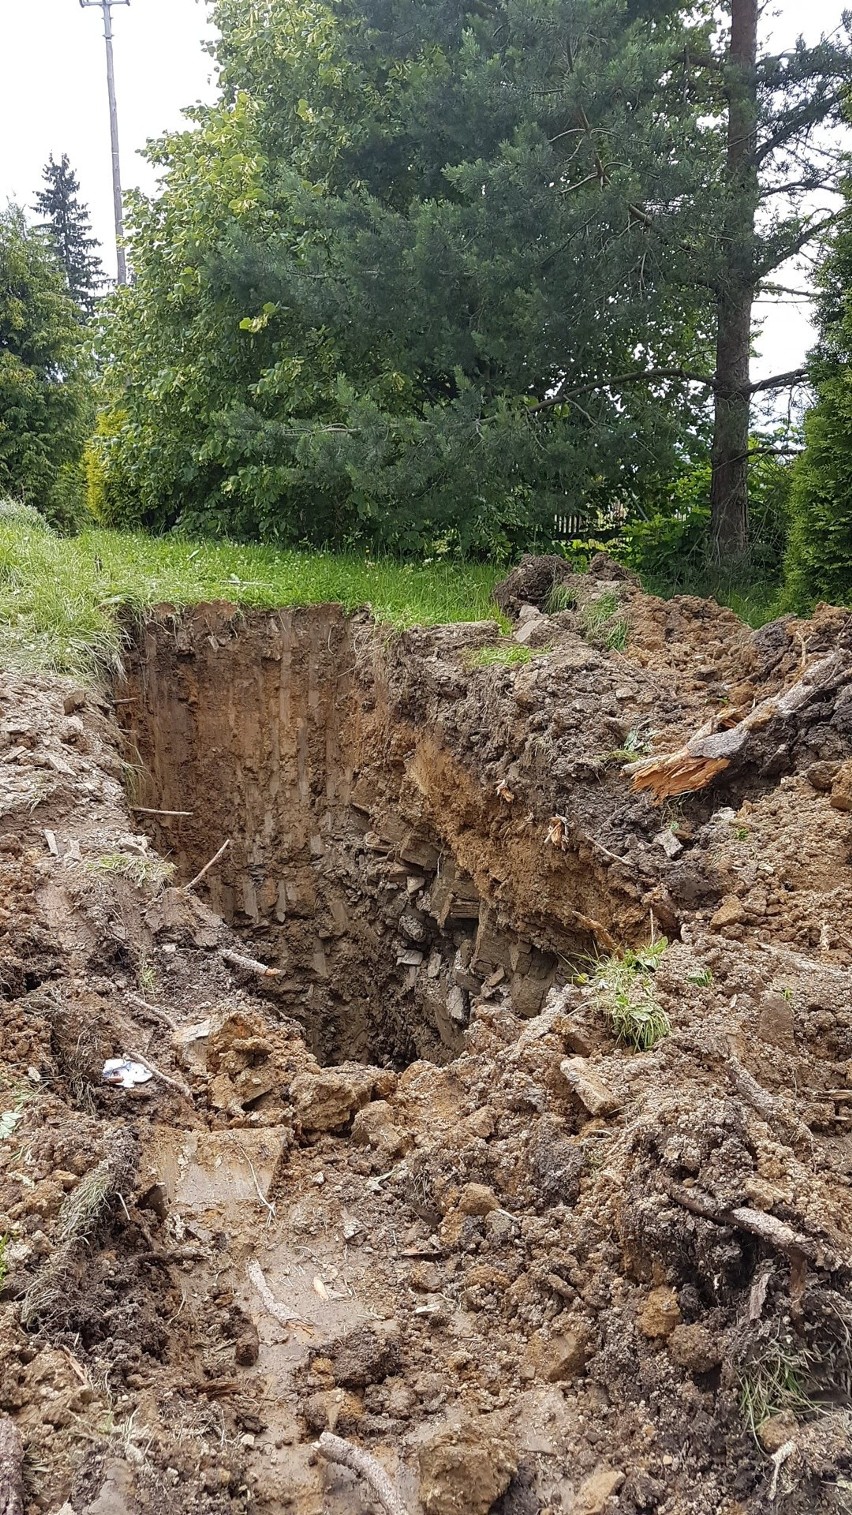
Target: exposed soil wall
{"points": [[367, 862]]}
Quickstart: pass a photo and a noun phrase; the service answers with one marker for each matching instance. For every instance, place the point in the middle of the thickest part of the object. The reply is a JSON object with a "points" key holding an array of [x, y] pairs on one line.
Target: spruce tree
{"points": [[67, 224]]}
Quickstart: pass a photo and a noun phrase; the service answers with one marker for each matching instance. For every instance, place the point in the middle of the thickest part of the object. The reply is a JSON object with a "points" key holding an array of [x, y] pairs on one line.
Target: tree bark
{"points": [[729, 486]]}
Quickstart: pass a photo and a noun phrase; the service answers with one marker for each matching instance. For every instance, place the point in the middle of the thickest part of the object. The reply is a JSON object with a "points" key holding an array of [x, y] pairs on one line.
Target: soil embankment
{"points": [[410, 1187]]}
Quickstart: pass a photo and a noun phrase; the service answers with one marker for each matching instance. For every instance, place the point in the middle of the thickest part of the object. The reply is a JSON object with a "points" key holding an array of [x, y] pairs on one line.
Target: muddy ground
{"points": [[418, 1185]]}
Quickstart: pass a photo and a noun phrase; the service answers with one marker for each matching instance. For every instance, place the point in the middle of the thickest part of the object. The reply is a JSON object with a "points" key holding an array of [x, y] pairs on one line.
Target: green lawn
{"points": [[59, 596]]}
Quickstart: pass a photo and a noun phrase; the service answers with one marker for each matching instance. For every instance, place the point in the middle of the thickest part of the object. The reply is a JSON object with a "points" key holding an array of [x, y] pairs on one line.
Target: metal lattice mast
{"points": [[106, 6]]}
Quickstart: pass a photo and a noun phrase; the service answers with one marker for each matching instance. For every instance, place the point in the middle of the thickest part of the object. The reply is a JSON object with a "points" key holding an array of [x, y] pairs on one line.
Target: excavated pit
{"points": [[345, 871], [563, 1272]]}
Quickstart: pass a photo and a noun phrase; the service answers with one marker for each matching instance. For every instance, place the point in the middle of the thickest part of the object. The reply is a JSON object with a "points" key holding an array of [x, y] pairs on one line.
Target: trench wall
{"points": [[359, 862]]}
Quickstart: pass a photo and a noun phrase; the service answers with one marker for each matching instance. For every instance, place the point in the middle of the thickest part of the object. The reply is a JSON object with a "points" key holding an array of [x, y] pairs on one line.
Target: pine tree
{"points": [[67, 224]]}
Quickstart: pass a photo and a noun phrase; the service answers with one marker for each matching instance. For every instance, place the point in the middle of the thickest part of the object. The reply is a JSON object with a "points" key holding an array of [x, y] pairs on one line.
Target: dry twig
{"points": [[193, 883], [766, 1227], [173, 1083]]}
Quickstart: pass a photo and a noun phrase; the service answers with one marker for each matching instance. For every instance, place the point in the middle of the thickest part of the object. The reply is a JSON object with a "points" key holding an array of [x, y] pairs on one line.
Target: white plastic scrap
{"points": [[124, 1074]]}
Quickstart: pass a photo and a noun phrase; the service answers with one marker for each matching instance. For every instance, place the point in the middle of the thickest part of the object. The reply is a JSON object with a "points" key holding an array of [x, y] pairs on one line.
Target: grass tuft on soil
{"points": [[625, 986], [60, 597]]}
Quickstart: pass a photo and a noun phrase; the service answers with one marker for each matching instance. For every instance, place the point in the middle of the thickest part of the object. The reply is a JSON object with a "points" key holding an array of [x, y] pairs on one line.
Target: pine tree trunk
{"points": [[729, 487]]}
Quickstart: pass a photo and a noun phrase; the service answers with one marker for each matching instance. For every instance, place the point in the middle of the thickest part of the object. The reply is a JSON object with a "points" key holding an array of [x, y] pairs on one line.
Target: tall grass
{"points": [[60, 596]]}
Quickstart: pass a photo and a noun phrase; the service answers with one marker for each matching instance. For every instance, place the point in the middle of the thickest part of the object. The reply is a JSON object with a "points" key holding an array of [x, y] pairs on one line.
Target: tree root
{"points": [[766, 1227], [335, 1449], [11, 1469], [718, 746]]}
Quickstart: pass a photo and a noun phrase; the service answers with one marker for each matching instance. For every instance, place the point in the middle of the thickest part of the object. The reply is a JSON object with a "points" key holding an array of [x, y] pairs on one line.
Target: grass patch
{"points": [[635, 746], [561, 597], [778, 1374], [505, 655], [60, 596], [145, 872], [625, 986], [602, 623]]}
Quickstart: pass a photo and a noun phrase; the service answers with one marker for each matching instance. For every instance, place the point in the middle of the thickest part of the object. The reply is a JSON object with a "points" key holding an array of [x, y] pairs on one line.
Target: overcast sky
{"points": [[53, 100]]}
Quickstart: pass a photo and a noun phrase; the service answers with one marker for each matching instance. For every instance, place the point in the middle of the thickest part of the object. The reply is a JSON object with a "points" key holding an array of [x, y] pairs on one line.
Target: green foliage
{"points": [[602, 623], [561, 597], [42, 389], [380, 249], [66, 223], [669, 546], [626, 990], [506, 655], [819, 562], [60, 597]]}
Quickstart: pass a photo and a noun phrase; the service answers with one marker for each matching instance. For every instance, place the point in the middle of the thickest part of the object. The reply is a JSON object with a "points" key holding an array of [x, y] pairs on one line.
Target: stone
{"points": [[587, 1086], [669, 842], [116, 1495], [477, 1199], [841, 789], [729, 913], [775, 1023], [530, 627], [559, 1357], [419, 852], [694, 1348], [499, 1226], [821, 776], [413, 927], [464, 1469], [593, 1494], [247, 1345], [659, 1314], [328, 1099]]}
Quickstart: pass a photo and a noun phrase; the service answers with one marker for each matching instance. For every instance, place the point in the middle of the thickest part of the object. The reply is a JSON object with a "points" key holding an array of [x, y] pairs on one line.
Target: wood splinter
{"points": [[335, 1449]]}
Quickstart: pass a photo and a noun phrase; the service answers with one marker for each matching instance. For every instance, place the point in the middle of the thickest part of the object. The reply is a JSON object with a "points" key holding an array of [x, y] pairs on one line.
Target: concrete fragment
{"points": [[660, 1314], [587, 1086], [464, 1469]]}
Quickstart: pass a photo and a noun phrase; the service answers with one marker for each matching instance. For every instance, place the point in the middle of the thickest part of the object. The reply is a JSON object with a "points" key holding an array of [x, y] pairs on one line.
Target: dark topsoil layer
{"points": [[536, 1269]]}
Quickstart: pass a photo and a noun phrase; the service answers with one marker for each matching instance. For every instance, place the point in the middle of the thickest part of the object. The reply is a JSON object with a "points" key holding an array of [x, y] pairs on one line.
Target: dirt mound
{"points": [[500, 1120]]}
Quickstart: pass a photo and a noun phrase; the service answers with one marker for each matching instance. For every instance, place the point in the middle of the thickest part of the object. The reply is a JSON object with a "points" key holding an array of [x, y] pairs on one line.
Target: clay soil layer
{"points": [[498, 1117]]}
